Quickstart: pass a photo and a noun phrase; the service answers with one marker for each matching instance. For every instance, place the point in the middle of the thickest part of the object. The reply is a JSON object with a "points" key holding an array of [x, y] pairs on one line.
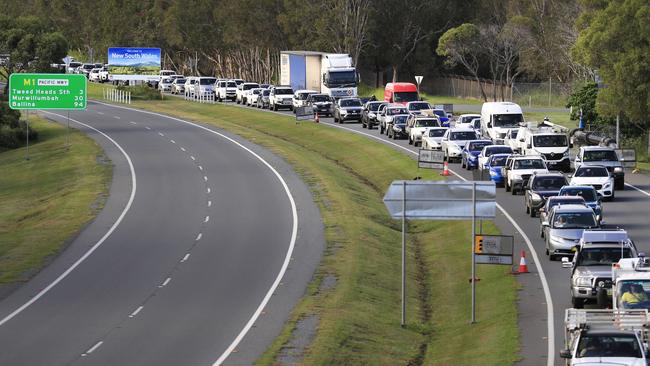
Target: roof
{"points": [[402, 86], [604, 235], [597, 148], [573, 208], [567, 198]]}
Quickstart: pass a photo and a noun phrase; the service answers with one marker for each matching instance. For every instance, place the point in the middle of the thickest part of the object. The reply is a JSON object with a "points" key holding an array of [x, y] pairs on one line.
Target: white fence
{"points": [[117, 95], [201, 98]]}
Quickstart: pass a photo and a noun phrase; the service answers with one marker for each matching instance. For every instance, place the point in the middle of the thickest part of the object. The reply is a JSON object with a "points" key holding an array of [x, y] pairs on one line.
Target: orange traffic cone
{"points": [[316, 118], [523, 268], [445, 170]]}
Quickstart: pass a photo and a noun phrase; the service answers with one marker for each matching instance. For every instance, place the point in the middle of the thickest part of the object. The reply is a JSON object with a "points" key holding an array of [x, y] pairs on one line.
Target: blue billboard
{"points": [[133, 63]]}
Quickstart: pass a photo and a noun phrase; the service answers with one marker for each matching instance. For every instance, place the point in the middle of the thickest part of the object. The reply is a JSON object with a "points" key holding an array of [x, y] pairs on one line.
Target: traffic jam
{"points": [[564, 179]]}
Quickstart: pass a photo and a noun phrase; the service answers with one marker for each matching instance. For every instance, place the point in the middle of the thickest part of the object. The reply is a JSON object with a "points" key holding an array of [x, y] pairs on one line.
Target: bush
{"points": [[141, 92], [13, 131]]}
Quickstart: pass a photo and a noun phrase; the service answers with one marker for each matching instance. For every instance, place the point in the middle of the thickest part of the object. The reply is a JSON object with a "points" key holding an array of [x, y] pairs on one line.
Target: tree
{"points": [[462, 45], [615, 39]]}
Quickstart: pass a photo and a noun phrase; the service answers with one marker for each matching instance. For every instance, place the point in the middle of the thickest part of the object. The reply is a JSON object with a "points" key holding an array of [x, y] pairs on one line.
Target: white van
{"points": [[498, 117]]}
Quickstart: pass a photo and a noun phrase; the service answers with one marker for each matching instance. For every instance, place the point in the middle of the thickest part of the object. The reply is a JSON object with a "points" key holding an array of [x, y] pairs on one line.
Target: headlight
{"points": [[516, 176], [454, 148], [397, 128], [371, 115], [566, 153], [583, 281], [607, 184], [618, 169], [343, 111], [535, 197], [493, 173], [471, 157]]}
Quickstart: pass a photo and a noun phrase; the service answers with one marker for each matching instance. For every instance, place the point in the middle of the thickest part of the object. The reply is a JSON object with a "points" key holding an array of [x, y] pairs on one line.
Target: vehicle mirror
{"points": [[578, 158], [565, 353]]}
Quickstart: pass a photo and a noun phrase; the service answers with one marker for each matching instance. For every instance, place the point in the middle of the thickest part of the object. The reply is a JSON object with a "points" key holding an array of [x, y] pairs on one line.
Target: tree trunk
{"points": [[394, 73]]}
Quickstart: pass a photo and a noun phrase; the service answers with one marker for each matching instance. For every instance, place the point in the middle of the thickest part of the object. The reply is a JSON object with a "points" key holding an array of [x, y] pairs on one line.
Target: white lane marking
{"points": [[200, 167], [209, 190], [165, 283], [192, 157], [209, 203], [638, 189], [160, 134], [205, 178], [133, 314], [92, 349], [182, 148], [102, 113], [207, 218], [133, 123], [198, 237], [542, 277], [172, 141], [148, 128], [292, 242], [98, 243], [116, 117], [185, 257]]}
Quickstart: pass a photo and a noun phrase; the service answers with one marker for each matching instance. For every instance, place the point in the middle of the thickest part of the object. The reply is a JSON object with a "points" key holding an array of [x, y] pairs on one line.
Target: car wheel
{"points": [[513, 190], [577, 302], [381, 130], [410, 140], [532, 212], [541, 235], [527, 208], [462, 163]]}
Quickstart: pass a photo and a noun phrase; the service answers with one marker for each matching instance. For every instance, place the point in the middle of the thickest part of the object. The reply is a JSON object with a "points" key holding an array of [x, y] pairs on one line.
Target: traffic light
{"points": [[478, 244]]}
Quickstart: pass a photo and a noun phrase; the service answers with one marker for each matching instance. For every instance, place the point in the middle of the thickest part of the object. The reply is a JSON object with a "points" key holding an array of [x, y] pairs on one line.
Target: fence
{"points": [[200, 98], [117, 95]]}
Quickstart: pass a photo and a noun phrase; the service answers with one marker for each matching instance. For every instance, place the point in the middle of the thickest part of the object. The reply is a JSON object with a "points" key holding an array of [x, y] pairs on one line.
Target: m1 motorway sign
{"points": [[47, 91]]}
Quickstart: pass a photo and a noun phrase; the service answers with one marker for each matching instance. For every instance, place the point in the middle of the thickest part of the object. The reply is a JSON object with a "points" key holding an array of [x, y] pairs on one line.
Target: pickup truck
{"points": [[281, 97], [518, 170], [346, 109], [242, 91]]}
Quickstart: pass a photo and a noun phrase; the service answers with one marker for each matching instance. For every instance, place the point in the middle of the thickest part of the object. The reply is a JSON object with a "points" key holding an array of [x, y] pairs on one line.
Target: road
{"points": [[187, 264], [537, 305]]}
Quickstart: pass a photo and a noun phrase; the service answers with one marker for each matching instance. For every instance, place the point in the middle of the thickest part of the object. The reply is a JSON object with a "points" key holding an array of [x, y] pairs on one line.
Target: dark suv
{"points": [[322, 103], [369, 115], [541, 186], [347, 109]]}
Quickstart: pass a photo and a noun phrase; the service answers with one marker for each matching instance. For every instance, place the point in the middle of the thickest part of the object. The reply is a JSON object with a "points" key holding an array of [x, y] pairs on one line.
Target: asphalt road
{"points": [[204, 246], [545, 290]]}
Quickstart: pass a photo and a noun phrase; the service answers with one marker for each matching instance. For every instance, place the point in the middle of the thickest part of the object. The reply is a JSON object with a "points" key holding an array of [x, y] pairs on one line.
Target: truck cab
{"points": [[339, 76], [544, 141], [498, 117], [401, 93]]}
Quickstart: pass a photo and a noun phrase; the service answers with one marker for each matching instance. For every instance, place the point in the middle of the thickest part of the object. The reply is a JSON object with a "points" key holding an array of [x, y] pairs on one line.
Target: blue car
{"points": [[442, 116], [469, 155], [494, 166], [590, 196]]}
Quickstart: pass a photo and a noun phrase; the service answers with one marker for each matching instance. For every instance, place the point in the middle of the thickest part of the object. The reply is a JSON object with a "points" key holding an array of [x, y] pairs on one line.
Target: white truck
{"points": [[631, 283], [606, 337], [328, 73], [550, 143], [498, 117]]}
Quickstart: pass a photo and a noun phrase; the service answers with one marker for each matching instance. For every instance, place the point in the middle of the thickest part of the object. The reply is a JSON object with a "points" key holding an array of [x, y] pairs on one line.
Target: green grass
{"points": [[46, 200], [359, 318]]}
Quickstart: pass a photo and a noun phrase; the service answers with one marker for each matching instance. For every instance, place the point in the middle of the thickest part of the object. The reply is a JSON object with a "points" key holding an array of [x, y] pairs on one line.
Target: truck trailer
{"points": [[328, 73]]}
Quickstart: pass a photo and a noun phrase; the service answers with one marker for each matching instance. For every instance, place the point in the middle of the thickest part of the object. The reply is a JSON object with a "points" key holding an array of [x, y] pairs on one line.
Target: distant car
{"points": [[347, 109], [242, 91], [432, 138], [226, 89], [540, 187], [190, 84], [72, 67], [263, 99], [85, 69], [442, 115], [494, 166], [470, 153], [416, 125], [165, 84], [253, 94], [178, 86], [386, 114], [454, 141], [597, 177], [588, 194], [564, 228], [511, 140], [300, 98], [321, 103], [281, 97], [369, 114], [93, 75], [553, 201], [104, 75], [519, 169], [602, 156], [490, 150], [416, 106], [398, 127], [465, 119]]}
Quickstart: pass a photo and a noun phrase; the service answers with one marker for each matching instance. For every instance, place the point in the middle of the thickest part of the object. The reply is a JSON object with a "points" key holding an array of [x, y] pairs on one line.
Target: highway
{"points": [[545, 291], [204, 246]]}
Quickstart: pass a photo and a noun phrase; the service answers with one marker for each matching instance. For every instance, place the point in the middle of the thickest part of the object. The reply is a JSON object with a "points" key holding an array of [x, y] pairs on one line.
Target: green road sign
{"points": [[47, 91]]}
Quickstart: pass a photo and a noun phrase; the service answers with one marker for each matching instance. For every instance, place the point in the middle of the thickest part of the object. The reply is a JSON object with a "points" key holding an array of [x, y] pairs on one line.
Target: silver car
{"points": [[564, 228]]}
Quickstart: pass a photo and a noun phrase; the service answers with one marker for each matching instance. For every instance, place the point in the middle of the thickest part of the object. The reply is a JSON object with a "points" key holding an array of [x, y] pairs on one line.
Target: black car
{"points": [[369, 114], [541, 186], [347, 109], [397, 129], [322, 103]]}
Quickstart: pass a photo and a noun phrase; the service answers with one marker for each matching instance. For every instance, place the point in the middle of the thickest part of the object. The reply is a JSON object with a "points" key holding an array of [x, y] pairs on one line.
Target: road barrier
{"points": [[117, 95], [201, 98]]}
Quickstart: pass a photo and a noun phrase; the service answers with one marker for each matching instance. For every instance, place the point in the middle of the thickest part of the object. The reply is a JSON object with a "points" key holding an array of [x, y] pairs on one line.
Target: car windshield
{"points": [[574, 220], [426, 123], [549, 183], [374, 106], [436, 132], [513, 133], [476, 124], [283, 91], [554, 201], [529, 164], [467, 119], [266, 92], [550, 141], [208, 81], [589, 194], [479, 145], [167, 81], [341, 78], [250, 86], [584, 172], [463, 135], [350, 103], [180, 81], [440, 113], [498, 150], [256, 91], [231, 84], [633, 294], [601, 256], [394, 111], [507, 120], [404, 97], [600, 155], [498, 161], [320, 98], [419, 106], [400, 119], [608, 345]]}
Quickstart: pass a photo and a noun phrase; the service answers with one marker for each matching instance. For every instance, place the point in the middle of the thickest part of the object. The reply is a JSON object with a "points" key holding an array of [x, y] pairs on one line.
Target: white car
{"points": [[464, 119], [93, 75], [242, 91], [178, 86], [300, 98], [519, 169], [596, 176], [490, 150], [190, 84], [454, 140], [253, 96], [432, 138], [165, 84], [281, 97], [416, 125], [416, 107], [473, 123], [511, 140], [226, 89], [205, 86]]}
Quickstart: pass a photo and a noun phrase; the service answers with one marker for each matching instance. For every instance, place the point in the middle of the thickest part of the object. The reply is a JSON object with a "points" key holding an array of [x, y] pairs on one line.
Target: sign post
{"points": [[418, 80], [47, 91]]}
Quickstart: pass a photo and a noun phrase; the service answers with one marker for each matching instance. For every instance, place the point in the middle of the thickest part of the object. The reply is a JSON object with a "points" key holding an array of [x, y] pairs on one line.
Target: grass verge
{"points": [[47, 199], [359, 318]]}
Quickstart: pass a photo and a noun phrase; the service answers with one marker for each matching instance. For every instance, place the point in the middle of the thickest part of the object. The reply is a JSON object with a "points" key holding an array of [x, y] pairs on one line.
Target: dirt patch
{"points": [[327, 283], [301, 337]]}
